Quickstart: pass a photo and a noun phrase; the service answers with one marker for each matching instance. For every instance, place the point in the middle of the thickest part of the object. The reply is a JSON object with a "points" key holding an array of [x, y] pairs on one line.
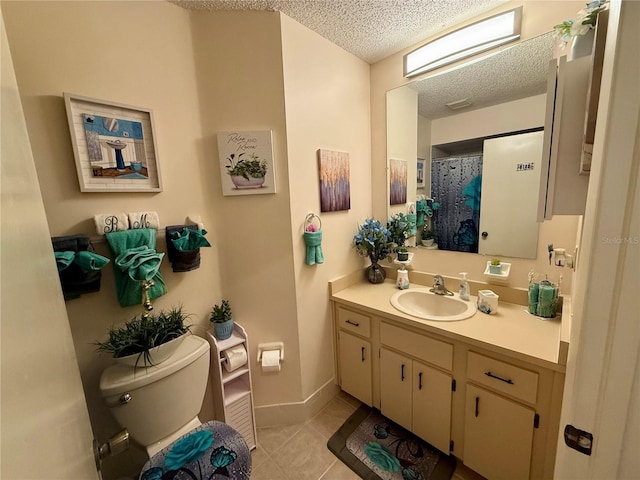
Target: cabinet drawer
{"points": [[354, 322], [504, 377], [419, 346]]}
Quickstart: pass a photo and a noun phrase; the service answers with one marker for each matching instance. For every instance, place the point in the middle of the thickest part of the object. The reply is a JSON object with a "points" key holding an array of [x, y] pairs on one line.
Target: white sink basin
{"points": [[421, 303]]}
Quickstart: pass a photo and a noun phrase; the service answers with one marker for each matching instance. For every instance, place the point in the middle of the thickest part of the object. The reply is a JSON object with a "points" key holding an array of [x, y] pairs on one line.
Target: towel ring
{"points": [[310, 217]]}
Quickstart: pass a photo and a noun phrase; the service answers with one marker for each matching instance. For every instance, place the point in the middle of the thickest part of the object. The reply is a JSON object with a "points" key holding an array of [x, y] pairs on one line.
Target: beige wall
{"points": [[42, 397], [138, 53], [387, 75], [327, 106]]}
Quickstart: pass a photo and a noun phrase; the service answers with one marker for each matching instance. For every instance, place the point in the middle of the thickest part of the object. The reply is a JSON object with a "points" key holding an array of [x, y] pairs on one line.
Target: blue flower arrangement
{"points": [[373, 240]]}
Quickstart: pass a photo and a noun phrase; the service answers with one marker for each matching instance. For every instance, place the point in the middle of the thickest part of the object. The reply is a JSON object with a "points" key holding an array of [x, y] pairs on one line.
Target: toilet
{"points": [[159, 404]]}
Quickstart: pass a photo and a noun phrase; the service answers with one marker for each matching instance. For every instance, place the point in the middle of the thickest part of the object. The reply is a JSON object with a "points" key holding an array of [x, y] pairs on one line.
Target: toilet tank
{"points": [[153, 402]]}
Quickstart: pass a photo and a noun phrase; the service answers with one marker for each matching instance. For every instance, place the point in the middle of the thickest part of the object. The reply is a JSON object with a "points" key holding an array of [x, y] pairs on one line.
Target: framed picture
{"points": [[246, 162], [114, 146], [335, 187], [420, 179], [397, 182]]}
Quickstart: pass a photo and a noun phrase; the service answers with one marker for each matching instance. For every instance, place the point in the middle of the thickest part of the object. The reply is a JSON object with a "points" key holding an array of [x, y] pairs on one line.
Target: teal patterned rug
{"points": [[377, 449]]}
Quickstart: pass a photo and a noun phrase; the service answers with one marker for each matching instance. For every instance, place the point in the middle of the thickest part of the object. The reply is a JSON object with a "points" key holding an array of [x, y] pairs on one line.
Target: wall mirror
{"points": [[481, 153]]}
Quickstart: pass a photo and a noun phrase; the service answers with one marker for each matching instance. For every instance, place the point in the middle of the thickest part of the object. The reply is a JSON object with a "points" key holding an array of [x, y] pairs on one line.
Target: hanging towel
{"points": [[411, 220], [111, 222], [313, 241], [73, 279], [421, 211], [90, 261], [189, 239], [134, 264], [144, 220], [182, 261]]}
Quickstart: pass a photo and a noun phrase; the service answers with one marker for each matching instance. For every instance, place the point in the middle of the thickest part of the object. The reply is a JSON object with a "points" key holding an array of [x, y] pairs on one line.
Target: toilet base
{"points": [[169, 439]]}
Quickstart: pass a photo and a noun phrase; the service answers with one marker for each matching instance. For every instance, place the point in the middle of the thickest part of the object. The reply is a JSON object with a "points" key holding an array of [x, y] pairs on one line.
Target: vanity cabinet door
{"points": [[396, 387], [355, 367], [498, 435], [432, 406]]}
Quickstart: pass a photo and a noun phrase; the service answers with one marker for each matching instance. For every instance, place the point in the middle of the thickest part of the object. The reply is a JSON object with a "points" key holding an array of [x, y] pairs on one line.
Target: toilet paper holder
{"points": [[264, 347]]}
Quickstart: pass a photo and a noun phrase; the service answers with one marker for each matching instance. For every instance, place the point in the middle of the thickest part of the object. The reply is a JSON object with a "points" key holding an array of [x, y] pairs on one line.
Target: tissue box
{"points": [[487, 301]]}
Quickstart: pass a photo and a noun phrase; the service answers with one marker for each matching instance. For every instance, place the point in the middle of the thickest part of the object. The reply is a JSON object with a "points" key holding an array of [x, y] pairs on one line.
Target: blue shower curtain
{"points": [[456, 185]]}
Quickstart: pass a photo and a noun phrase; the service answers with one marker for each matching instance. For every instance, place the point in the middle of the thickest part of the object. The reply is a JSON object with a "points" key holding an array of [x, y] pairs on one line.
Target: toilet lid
{"points": [[118, 379]]}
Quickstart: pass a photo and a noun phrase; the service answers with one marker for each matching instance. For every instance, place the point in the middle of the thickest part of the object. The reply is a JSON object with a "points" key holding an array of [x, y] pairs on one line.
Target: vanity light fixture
{"points": [[464, 42]]}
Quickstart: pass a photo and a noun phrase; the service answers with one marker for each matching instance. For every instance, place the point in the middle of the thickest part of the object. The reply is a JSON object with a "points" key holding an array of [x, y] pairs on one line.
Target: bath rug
{"points": [[376, 448]]}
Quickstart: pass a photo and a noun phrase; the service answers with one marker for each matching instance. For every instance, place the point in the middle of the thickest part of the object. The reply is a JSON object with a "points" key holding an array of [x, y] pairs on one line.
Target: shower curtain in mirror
{"points": [[456, 184]]}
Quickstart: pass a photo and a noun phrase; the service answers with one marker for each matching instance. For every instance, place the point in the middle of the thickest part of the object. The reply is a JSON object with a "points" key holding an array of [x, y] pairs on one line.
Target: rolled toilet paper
{"points": [[234, 358], [271, 361]]}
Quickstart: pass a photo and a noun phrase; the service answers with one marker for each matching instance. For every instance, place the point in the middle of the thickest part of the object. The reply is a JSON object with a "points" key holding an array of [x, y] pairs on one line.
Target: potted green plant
{"points": [[146, 339], [222, 320], [428, 237], [246, 172], [398, 228], [495, 266], [403, 254]]}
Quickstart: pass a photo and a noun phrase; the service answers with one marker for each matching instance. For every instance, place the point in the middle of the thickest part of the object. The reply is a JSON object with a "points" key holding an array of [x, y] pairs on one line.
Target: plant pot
{"points": [[427, 243], [375, 273], [495, 269], [223, 330], [582, 45], [155, 355], [241, 182], [403, 256]]}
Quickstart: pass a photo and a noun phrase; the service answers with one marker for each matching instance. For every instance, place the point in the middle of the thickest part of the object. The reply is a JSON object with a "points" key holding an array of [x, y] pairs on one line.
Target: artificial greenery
{"points": [[495, 261], [140, 334], [398, 227], [428, 234], [585, 21], [251, 168], [221, 313]]}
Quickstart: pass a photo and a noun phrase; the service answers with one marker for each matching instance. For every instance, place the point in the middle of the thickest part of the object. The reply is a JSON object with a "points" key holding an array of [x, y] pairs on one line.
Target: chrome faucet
{"points": [[438, 286]]}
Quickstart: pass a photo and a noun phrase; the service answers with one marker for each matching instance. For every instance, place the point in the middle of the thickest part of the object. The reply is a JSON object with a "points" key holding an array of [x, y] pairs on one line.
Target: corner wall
{"points": [[327, 107]]}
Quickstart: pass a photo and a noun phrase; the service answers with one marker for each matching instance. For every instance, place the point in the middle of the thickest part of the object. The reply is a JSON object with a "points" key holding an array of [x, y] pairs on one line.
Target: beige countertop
{"points": [[511, 331]]}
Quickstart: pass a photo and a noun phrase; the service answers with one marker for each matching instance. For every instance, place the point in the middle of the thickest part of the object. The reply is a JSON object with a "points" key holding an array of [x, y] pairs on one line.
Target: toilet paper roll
{"points": [[234, 358], [271, 361]]}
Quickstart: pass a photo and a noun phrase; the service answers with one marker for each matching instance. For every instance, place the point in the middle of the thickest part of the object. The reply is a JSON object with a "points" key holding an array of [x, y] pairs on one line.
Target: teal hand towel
{"points": [[411, 220], [313, 240], [547, 300], [140, 263], [90, 262], [534, 292], [64, 259], [129, 291], [189, 239]]}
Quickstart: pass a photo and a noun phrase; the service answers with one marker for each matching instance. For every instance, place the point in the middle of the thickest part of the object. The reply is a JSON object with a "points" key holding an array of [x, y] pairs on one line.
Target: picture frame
{"points": [[246, 162], [397, 182], [114, 146], [335, 182], [420, 173]]}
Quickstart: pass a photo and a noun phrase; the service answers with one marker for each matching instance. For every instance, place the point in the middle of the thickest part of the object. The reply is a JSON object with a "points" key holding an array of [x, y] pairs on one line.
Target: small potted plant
{"points": [[398, 228], [495, 267], [147, 340], [222, 320], [403, 254], [428, 237]]}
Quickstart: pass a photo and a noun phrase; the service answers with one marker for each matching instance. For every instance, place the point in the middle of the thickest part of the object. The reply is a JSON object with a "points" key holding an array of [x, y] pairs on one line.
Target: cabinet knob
{"points": [[402, 372], [420, 381], [362, 350], [477, 412], [484, 235]]}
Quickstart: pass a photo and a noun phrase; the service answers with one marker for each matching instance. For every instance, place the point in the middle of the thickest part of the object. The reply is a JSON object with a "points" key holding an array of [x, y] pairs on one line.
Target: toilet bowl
{"points": [[158, 404]]}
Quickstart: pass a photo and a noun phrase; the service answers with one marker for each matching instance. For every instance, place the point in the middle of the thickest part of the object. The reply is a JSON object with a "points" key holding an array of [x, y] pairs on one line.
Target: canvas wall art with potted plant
{"points": [[246, 162]]}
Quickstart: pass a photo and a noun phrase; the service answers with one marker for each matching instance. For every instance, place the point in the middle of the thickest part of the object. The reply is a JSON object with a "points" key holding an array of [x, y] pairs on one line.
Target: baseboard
{"points": [[296, 412]]}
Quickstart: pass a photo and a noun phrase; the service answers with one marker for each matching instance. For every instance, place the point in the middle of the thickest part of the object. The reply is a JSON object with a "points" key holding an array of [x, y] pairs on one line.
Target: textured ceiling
{"points": [[374, 29], [370, 29]]}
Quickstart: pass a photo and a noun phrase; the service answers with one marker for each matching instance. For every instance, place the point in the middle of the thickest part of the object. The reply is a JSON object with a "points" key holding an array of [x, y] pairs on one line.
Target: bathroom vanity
{"points": [[487, 389]]}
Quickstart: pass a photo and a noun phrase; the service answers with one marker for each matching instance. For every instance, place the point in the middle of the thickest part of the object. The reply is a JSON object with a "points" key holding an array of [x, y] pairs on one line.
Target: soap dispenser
{"points": [[464, 287]]}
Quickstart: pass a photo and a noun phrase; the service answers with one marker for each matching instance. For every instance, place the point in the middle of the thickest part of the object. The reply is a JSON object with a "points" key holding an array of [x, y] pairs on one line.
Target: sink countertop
{"points": [[511, 331]]}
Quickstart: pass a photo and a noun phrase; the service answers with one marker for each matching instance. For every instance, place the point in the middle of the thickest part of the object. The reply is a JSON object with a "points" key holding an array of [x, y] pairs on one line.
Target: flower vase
{"points": [[582, 45], [375, 273]]}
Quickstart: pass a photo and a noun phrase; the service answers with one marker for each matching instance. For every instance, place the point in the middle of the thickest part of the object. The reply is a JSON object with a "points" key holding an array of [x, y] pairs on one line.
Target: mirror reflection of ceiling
{"points": [[516, 72], [369, 29]]}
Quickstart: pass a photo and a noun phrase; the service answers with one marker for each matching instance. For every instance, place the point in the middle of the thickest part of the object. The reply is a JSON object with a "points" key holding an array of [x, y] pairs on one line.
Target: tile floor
{"points": [[300, 451]]}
